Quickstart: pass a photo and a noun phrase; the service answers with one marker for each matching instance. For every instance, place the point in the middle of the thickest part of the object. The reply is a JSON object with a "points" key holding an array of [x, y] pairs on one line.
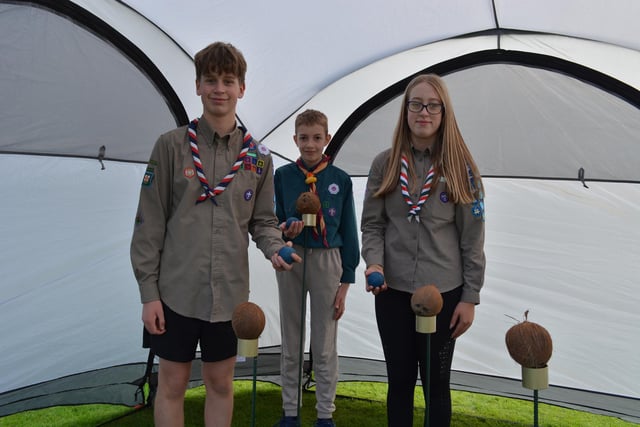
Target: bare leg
{"points": [[218, 381], [168, 408]]}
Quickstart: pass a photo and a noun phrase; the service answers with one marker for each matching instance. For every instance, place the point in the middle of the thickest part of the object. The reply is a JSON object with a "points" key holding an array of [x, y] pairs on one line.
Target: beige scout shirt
{"points": [[195, 257], [445, 248]]}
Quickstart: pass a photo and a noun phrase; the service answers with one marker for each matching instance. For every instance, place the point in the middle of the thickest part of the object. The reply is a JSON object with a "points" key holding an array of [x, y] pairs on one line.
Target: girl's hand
{"points": [[374, 289]]}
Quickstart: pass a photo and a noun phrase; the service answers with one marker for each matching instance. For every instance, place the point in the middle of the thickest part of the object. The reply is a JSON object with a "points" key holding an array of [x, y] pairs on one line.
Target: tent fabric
{"points": [[584, 126], [541, 89]]}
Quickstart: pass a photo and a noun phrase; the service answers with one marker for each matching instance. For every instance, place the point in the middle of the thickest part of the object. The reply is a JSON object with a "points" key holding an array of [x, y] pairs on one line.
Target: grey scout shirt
{"points": [[445, 248], [195, 257]]}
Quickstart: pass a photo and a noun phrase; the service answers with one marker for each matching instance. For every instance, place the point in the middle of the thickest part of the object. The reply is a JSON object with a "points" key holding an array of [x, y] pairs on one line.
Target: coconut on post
{"points": [[248, 322], [530, 345], [426, 303], [308, 204]]}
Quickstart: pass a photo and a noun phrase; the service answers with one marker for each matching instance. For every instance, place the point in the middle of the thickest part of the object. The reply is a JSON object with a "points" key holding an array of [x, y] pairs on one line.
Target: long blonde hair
{"points": [[449, 155]]}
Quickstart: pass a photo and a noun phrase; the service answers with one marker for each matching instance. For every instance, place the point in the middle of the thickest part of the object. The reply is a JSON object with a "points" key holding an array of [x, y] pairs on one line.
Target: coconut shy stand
{"points": [[530, 345], [248, 322], [426, 303]]}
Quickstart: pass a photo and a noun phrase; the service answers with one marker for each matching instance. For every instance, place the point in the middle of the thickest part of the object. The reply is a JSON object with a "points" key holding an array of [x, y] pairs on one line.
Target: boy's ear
{"points": [[198, 87], [242, 89], [327, 140]]}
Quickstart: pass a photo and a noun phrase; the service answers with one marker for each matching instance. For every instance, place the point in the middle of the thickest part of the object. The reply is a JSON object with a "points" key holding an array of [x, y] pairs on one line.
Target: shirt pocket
{"points": [[440, 207], [332, 210], [245, 185]]}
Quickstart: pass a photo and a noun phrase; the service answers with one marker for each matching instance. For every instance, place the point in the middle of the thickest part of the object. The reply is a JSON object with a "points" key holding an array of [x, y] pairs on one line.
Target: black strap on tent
{"points": [[150, 377], [581, 177], [308, 370]]}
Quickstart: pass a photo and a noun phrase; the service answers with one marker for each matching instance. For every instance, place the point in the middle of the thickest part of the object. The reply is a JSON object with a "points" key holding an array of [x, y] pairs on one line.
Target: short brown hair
{"points": [[312, 117], [220, 58]]}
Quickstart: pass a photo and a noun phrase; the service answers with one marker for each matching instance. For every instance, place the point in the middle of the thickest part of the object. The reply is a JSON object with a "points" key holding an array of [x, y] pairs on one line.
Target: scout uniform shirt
{"points": [[335, 191], [444, 248], [194, 257]]}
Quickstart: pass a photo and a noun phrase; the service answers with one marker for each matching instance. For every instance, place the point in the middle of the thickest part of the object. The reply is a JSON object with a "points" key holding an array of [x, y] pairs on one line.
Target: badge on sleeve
{"points": [[149, 173], [148, 178], [477, 209]]}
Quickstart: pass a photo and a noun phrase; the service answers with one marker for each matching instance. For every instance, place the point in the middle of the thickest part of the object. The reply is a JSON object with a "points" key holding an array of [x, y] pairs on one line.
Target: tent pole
{"points": [[303, 310], [253, 394], [535, 408], [427, 389]]}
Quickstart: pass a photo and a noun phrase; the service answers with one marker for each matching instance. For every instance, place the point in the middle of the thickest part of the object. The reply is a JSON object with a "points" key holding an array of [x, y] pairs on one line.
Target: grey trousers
{"points": [[322, 279]]}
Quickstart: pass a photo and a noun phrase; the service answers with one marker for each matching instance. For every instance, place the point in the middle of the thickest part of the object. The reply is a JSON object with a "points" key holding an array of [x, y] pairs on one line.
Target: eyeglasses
{"points": [[432, 108]]}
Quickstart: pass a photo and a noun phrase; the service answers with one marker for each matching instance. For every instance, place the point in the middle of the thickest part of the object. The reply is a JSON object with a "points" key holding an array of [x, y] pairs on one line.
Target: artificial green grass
{"points": [[359, 404]]}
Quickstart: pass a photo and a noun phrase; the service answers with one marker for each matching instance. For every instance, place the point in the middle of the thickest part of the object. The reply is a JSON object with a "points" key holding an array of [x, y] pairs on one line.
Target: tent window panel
{"points": [[77, 91], [524, 122]]}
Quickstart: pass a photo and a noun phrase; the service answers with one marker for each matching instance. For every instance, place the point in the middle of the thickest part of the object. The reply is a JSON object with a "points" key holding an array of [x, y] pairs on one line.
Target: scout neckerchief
{"points": [[414, 208], [208, 192], [311, 179]]}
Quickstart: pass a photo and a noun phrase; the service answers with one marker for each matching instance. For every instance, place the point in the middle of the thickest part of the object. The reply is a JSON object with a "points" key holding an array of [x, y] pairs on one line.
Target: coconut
{"points": [[529, 344], [248, 321], [308, 203], [426, 301]]}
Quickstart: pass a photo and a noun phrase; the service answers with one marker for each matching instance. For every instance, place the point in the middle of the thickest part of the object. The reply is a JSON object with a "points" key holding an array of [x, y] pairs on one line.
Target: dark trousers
{"points": [[405, 356]]}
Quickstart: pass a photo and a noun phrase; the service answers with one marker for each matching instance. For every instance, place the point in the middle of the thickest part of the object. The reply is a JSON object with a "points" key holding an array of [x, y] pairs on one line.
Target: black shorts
{"points": [[179, 343]]}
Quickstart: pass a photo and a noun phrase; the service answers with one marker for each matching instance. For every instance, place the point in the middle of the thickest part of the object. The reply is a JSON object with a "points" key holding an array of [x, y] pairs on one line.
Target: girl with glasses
{"points": [[423, 223]]}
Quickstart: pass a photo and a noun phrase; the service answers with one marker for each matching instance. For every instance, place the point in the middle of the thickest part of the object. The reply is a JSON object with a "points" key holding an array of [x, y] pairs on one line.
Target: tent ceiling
{"points": [[316, 68], [295, 52]]}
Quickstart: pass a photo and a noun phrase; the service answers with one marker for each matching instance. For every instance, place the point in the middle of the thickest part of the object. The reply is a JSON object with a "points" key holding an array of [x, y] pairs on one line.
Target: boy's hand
{"points": [[280, 264], [339, 304], [294, 228], [153, 317]]}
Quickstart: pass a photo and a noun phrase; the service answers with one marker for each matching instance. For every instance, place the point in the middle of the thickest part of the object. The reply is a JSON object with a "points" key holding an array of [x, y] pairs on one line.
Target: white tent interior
{"points": [[541, 90]]}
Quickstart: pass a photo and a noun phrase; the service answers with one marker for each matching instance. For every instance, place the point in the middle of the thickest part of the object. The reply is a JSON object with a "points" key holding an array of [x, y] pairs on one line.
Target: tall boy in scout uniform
{"points": [[207, 186]]}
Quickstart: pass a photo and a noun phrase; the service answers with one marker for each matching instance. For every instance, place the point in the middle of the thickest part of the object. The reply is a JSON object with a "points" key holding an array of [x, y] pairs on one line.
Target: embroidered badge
{"points": [[248, 194], [189, 172], [260, 163], [263, 149], [444, 197], [332, 212], [148, 178], [477, 209], [334, 188]]}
